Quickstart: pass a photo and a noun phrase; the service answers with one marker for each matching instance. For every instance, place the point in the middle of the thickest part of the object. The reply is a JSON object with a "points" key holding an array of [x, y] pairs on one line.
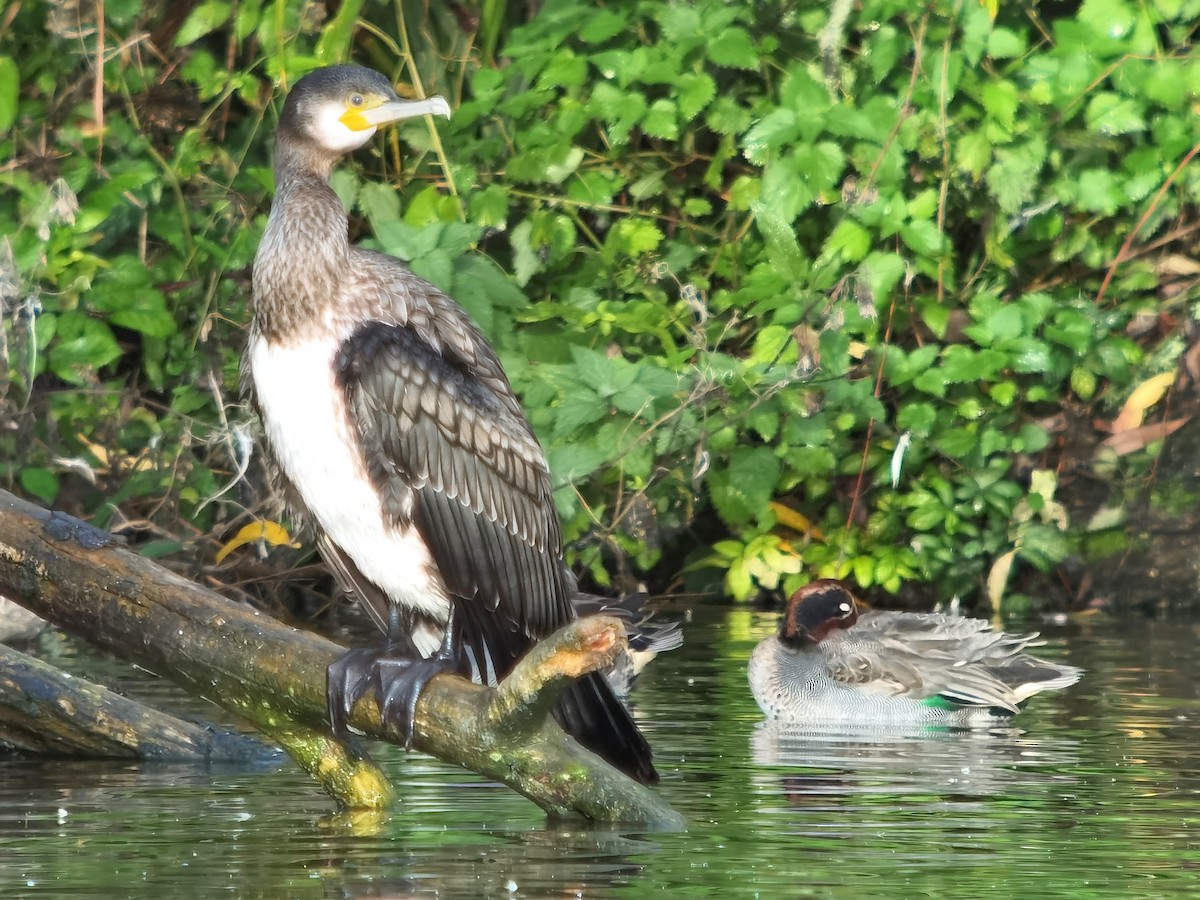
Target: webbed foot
{"points": [[347, 679], [400, 684]]}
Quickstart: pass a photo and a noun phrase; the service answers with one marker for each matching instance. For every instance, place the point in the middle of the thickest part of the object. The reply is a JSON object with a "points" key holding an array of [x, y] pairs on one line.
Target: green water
{"points": [[1094, 795]]}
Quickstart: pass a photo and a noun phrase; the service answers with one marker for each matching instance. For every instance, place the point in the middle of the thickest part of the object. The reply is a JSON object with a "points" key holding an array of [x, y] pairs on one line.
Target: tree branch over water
{"points": [[76, 577]]}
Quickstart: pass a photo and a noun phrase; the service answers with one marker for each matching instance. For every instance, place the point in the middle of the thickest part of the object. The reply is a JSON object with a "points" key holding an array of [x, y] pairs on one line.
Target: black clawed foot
{"points": [[347, 679], [400, 684]]}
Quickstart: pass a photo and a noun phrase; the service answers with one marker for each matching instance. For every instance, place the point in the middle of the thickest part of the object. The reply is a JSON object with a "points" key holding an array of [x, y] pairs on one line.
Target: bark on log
{"points": [[45, 710], [74, 576]]}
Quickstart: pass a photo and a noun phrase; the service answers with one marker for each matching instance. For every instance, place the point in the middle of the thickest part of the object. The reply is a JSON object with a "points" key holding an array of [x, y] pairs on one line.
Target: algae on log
{"points": [[273, 675]]}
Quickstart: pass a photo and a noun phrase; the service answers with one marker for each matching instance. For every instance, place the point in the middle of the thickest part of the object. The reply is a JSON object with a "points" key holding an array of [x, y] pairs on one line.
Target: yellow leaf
{"points": [[997, 579], [992, 7], [95, 449], [263, 530], [789, 518], [1144, 396]]}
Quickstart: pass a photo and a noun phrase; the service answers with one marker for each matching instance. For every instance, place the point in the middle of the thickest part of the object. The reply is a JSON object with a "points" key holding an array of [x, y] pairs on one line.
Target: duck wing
{"points": [[923, 655]]}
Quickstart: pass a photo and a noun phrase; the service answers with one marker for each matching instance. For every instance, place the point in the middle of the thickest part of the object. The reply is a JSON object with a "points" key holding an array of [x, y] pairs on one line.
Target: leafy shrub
{"points": [[787, 289]]}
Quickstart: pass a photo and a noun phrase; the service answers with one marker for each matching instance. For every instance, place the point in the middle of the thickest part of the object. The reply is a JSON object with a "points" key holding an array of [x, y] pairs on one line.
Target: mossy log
{"points": [[274, 676], [44, 710]]}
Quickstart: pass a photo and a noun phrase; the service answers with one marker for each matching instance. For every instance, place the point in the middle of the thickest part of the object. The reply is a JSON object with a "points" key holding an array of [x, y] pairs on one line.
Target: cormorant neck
{"points": [[303, 259]]}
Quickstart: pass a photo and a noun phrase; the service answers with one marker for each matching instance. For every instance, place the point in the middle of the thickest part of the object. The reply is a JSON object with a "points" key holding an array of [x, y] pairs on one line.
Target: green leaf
{"points": [[41, 483], [782, 247], [774, 131], [10, 92], [1100, 191], [958, 443], [602, 24], [1001, 100], [973, 153], [694, 91], [84, 346], [576, 410], [635, 236], [380, 203], [526, 261], [1004, 43], [336, 35], [1109, 113], [1014, 176], [850, 239], [741, 491], [727, 116], [147, 316], [661, 120], [204, 19], [922, 237], [734, 49], [770, 343], [572, 463]]}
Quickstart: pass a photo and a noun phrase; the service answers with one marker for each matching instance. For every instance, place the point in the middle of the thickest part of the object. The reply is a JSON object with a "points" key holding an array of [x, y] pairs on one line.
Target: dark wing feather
{"points": [[452, 457], [449, 449]]}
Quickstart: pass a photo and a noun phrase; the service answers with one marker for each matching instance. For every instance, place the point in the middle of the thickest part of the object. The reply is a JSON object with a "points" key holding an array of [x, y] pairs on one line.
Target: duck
{"points": [[831, 662]]}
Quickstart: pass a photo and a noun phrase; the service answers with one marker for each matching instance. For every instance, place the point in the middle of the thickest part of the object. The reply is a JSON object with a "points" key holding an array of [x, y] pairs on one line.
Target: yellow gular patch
{"points": [[355, 120]]}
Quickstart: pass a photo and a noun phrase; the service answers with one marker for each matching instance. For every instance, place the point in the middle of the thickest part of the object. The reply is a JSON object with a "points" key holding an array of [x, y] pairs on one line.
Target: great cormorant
{"points": [[393, 430]]}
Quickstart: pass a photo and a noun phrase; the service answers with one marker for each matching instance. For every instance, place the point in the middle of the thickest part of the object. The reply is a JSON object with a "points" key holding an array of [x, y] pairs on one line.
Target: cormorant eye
{"points": [[356, 100]]}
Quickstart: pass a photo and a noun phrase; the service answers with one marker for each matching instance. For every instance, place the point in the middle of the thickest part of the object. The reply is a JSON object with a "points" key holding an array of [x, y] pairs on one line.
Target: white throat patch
{"points": [[329, 131]]}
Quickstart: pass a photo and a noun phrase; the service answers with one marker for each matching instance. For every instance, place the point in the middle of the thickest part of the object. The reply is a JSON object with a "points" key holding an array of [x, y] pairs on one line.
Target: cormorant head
{"points": [[817, 609], [337, 109]]}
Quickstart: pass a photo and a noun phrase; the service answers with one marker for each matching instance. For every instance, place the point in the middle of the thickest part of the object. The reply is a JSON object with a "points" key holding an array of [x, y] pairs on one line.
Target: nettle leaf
{"points": [[727, 116], [526, 261], [883, 272], [679, 22], [203, 19], [694, 91], [850, 239], [1109, 113], [436, 267], [733, 49], [625, 115], [1014, 176], [576, 409], [922, 237], [1003, 43], [1099, 191], [821, 164], [742, 491], [782, 247], [602, 24], [489, 207], [1000, 100], [147, 314], [379, 202], [783, 190], [84, 346], [635, 237], [779, 128], [917, 417], [973, 153], [661, 121]]}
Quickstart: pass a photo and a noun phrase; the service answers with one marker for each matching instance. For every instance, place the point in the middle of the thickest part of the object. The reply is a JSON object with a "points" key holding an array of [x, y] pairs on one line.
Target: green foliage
{"points": [[729, 258]]}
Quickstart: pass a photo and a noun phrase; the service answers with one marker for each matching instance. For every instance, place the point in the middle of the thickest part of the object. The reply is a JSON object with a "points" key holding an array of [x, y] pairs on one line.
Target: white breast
{"points": [[304, 416]]}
